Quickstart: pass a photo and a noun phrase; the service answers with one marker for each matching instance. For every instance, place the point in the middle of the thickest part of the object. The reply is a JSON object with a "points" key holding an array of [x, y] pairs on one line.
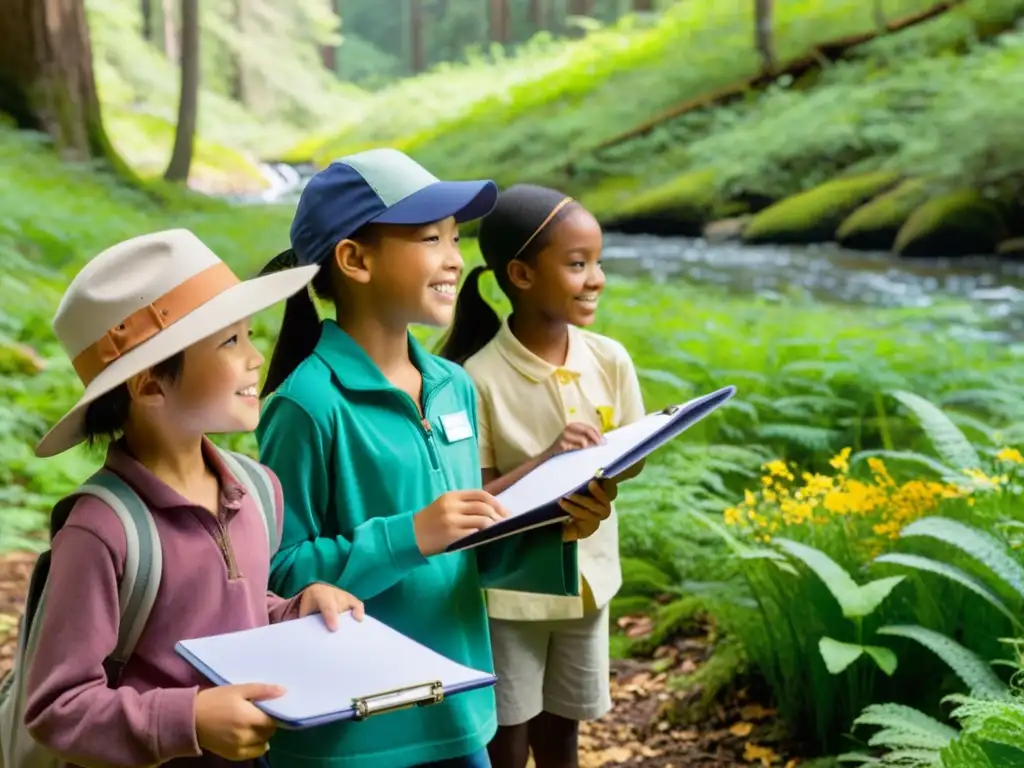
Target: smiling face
{"points": [[217, 390], [412, 273], [565, 279]]}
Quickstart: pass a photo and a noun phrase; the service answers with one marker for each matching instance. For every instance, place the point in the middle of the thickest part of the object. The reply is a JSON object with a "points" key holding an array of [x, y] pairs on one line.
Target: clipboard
{"points": [[533, 499], [364, 669]]}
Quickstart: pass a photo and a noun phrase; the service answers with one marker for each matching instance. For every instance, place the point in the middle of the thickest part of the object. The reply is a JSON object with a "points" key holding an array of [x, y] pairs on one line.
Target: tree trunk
{"points": [[880, 21], [580, 7], [499, 21], [417, 52], [46, 76], [146, 9], [539, 14], [645, 6], [238, 76], [170, 32], [763, 35], [188, 101]]}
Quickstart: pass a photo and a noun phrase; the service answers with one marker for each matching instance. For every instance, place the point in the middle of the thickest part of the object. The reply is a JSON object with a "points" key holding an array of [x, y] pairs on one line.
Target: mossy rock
{"points": [[960, 223], [678, 207], [874, 225], [1012, 248], [608, 195], [813, 216]]}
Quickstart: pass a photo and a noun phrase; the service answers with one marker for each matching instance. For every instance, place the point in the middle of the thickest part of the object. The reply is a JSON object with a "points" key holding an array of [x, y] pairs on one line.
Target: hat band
{"points": [[147, 321]]}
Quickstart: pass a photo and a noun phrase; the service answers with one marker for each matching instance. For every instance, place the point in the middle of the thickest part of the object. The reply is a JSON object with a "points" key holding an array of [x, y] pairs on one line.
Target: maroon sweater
{"points": [[214, 581]]}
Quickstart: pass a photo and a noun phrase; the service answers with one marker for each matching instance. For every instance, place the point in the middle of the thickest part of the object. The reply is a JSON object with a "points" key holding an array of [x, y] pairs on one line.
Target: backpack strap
{"points": [[258, 484], [143, 565]]}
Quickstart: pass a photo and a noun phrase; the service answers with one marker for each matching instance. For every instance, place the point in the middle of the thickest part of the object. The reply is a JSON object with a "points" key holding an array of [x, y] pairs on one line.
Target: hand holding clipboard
{"points": [[533, 499]]}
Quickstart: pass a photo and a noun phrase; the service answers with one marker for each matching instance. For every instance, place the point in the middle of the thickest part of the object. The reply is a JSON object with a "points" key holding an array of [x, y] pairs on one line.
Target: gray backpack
{"points": [[137, 593]]}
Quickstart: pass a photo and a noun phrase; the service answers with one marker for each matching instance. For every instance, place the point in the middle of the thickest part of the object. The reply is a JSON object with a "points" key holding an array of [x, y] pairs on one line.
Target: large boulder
{"points": [[961, 223], [813, 216], [874, 226], [678, 207]]}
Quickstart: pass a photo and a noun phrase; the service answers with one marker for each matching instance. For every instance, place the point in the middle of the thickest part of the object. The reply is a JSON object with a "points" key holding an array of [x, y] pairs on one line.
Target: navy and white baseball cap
{"points": [[383, 186]]}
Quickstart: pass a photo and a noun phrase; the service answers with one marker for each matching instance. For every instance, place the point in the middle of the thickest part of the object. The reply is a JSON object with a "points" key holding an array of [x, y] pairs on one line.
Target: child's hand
{"points": [[630, 473], [588, 511], [228, 724], [330, 602], [575, 436], [454, 515]]}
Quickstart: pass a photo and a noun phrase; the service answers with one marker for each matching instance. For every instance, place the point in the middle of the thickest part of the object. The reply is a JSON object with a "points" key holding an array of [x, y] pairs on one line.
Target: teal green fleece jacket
{"points": [[356, 462]]}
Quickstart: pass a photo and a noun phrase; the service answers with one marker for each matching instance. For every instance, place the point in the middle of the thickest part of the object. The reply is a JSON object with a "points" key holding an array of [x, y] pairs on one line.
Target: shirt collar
{"points": [[534, 367], [354, 369], [156, 493]]}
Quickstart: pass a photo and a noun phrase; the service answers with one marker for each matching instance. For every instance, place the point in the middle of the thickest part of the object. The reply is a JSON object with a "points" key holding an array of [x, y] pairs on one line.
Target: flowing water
{"points": [[993, 288]]}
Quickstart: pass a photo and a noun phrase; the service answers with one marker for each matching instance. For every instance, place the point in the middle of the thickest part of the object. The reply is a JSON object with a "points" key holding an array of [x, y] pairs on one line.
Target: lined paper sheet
{"points": [[325, 671]]}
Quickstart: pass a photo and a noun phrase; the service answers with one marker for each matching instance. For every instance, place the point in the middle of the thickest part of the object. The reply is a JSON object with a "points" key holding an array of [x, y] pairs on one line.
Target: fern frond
{"points": [[801, 435], [973, 671], [947, 439], [927, 565], [975, 543], [902, 716]]}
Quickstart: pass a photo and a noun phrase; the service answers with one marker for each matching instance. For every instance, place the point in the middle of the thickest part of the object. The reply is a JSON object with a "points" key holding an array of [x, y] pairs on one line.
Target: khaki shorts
{"points": [[559, 667]]}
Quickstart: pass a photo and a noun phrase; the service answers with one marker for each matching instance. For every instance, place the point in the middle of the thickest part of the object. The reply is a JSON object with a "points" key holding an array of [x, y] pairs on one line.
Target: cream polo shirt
{"points": [[524, 404]]}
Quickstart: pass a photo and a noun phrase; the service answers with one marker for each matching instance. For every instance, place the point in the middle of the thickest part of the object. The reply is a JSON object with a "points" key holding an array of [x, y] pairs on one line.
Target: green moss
{"points": [[631, 605], [727, 663], [641, 578], [814, 215], [956, 224], [677, 617], [145, 140], [682, 206], [609, 195], [874, 225]]}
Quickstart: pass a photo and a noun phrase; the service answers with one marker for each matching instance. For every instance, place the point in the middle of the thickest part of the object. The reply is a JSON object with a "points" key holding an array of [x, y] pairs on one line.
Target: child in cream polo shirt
{"points": [[545, 386]]}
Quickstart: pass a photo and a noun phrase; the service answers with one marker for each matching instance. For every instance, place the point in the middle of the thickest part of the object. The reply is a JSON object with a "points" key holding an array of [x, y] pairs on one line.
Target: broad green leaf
{"points": [[883, 657], [838, 655], [854, 600]]}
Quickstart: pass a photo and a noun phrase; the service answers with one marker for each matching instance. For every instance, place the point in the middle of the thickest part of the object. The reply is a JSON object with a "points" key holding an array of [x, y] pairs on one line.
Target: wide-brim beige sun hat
{"points": [[144, 300]]}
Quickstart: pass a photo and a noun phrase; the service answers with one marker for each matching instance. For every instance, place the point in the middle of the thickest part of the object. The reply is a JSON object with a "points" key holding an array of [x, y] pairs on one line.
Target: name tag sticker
{"points": [[456, 426]]}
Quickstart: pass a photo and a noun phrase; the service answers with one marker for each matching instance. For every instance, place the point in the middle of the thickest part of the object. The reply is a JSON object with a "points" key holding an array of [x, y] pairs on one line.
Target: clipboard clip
{"points": [[421, 695]]}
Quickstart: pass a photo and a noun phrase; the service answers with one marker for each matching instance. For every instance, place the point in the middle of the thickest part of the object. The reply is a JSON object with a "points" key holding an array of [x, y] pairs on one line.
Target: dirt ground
{"points": [[638, 733]]}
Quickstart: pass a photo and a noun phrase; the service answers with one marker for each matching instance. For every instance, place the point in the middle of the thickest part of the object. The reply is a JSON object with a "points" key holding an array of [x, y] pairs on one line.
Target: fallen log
{"points": [[827, 52]]}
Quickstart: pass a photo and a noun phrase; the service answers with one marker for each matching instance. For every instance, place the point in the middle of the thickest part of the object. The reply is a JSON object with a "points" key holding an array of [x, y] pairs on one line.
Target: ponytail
{"points": [[475, 324], [300, 327]]}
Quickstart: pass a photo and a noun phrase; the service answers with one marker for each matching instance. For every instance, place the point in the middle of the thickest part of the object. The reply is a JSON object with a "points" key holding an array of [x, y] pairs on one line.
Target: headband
{"points": [[531, 238]]}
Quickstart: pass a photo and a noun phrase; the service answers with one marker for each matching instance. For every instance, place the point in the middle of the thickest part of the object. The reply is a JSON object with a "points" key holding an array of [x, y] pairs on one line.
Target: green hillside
{"points": [[935, 103]]}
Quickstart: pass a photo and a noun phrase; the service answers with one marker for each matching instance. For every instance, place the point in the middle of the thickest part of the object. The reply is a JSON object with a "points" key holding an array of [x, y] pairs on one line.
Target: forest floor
{"points": [[638, 733]]}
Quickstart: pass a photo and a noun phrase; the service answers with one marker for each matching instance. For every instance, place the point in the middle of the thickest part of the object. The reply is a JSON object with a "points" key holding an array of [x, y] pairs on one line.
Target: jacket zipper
{"points": [[426, 429]]}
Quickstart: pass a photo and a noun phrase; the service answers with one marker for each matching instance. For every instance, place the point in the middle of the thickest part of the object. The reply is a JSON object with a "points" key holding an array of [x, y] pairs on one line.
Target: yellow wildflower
{"points": [[1011, 455], [778, 468], [841, 461]]}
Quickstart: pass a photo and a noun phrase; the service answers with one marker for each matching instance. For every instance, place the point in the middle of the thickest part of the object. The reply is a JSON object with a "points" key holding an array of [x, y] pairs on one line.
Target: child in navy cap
{"points": [[375, 442]]}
